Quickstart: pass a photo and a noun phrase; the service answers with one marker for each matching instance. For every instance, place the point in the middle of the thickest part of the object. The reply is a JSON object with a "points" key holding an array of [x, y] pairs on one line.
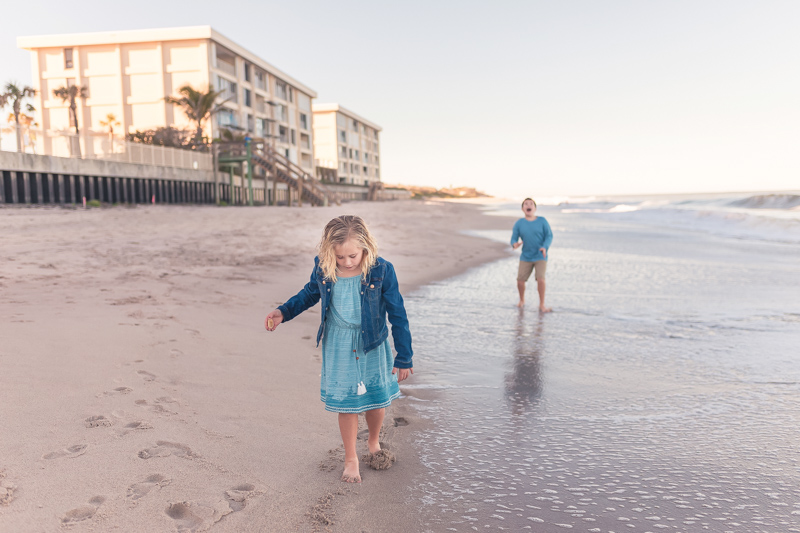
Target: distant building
{"points": [[128, 74], [348, 143]]}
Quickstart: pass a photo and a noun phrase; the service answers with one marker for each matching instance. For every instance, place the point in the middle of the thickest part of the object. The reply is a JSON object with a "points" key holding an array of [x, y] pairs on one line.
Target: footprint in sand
{"points": [[165, 449], [84, 512], [118, 390], [238, 496], [7, 489], [175, 353], [400, 421], [185, 519], [140, 490], [70, 452], [193, 332], [160, 409], [97, 421], [138, 424], [146, 375]]}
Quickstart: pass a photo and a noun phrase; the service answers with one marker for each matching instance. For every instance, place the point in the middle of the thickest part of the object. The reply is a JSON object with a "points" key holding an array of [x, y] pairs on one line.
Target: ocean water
{"points": [[662, 394]]}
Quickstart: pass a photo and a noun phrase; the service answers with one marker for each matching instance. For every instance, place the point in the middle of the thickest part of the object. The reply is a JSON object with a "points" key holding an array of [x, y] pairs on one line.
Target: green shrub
{"points": [[93, 203]]}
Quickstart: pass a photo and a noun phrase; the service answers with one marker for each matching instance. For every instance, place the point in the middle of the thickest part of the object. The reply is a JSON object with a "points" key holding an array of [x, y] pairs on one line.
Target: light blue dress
{"points": [[344, 363]]}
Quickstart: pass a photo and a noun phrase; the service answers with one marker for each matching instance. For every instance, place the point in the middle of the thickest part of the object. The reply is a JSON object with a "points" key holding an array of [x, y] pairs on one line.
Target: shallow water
{"points": [[663, 394]]}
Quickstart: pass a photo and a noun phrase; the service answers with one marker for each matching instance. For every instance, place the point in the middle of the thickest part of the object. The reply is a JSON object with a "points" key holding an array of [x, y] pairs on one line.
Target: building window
{"points": [[251, 123], [261, 80], [294, 138], [304, 102], [342, 136], [366, 157], [355, 125], [280, 89], [366, 171], [305, 141], [225, 118], [226, 61], [68, 58], [305, 160], [304, 121], [248, 98], [262, 126], [356, 155], [283, 134], [377, 160], [343, 153], [228, 89], [247, 72], [281, 113], [291, 95]]}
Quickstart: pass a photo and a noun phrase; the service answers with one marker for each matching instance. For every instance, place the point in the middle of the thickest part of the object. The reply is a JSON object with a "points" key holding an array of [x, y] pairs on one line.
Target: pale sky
{"points": [[519, 98]]}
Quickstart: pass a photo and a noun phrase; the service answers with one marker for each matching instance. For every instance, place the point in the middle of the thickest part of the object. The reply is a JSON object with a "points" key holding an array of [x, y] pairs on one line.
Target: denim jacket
{"points": [[379, 296]]}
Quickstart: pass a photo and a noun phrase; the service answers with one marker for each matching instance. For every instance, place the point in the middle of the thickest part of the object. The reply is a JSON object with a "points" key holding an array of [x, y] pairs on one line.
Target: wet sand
{"points": [[141, 392], [662, 394]]}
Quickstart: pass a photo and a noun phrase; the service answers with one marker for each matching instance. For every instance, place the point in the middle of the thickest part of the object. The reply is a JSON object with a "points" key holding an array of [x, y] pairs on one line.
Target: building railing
{"points": [[101, 146]]}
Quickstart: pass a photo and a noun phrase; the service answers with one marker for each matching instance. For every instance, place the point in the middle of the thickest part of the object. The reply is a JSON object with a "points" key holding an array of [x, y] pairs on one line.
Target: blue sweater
{"points": [[535, 234]]}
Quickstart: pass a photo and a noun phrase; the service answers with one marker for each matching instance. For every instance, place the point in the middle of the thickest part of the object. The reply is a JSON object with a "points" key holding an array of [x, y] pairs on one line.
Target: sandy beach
{"points": [[141, 392]]}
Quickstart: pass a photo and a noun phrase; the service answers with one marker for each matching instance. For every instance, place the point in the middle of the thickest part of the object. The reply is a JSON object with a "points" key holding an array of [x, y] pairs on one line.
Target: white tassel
{"points": [[361, 388]]}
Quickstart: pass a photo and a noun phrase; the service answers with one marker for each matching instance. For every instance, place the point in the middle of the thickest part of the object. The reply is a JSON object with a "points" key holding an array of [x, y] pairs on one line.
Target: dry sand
{"points": [[140, 391]]}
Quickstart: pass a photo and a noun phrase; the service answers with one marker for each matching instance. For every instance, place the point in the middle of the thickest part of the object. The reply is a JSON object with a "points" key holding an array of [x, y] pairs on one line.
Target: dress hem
{"points": [[361, 409]]}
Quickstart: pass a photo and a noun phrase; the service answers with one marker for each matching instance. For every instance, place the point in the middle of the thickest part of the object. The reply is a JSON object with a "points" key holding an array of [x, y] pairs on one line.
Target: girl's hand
{"points": [[544, 252], [516, 245], [402, 373], [275, 317]]}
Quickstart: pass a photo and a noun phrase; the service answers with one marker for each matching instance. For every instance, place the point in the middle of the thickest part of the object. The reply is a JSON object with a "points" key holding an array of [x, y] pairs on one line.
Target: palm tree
{"points": [[110, 122], [71, 94], [198, 106], [27, 122], [16, 94]]}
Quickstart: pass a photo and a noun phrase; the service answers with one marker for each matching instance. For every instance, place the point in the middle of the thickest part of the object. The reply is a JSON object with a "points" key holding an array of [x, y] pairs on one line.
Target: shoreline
{"points": [[137, 353]]}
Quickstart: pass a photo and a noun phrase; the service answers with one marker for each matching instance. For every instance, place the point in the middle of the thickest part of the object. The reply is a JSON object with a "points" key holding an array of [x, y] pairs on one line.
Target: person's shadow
{"points": [[523, 383]]}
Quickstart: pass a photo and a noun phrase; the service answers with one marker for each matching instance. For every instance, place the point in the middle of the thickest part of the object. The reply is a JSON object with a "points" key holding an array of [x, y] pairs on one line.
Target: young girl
{"points": [[358, 290]]}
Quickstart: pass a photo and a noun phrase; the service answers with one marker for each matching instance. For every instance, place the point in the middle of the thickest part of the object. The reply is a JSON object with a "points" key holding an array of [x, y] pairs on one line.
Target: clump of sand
{"points": [[380, 460]]}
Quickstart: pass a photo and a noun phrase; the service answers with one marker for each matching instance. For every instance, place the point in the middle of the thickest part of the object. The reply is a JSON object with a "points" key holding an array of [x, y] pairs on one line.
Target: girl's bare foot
{"points": [[374, 447], [543, 309], [521, 303], [351, 473]]}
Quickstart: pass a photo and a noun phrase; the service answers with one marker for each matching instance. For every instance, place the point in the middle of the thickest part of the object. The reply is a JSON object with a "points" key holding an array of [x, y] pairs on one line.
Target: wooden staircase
{"points": [[280, 169]]}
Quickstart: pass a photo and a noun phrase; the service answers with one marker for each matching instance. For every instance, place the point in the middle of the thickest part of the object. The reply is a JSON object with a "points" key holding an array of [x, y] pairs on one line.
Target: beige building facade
{"points": [[129, 73], [348, 143]]}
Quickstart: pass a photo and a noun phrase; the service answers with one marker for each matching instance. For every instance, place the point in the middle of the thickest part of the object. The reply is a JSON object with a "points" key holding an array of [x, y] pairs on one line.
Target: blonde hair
{"points": [[337, 232]]}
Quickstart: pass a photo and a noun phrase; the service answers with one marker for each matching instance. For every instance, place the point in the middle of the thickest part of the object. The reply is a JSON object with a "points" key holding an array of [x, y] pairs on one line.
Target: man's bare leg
{"points": [[521, 289], [540, 284], [348, 427]]}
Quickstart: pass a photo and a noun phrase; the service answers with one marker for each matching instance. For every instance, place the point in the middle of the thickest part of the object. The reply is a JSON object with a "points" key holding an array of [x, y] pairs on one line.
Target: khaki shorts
{"points": [[526, 267]]}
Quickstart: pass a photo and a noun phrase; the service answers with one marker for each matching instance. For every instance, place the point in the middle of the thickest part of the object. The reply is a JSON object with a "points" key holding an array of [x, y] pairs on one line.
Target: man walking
{"points": [[536, 236]]}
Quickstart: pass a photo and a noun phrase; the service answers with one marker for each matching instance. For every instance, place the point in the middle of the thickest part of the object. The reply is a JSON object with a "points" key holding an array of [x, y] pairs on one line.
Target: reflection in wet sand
{"points": [[524, 381]]}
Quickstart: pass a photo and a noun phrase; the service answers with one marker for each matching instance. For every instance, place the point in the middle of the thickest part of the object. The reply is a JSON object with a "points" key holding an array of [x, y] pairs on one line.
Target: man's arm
{"points": [[515, 236], [548, 235]]}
